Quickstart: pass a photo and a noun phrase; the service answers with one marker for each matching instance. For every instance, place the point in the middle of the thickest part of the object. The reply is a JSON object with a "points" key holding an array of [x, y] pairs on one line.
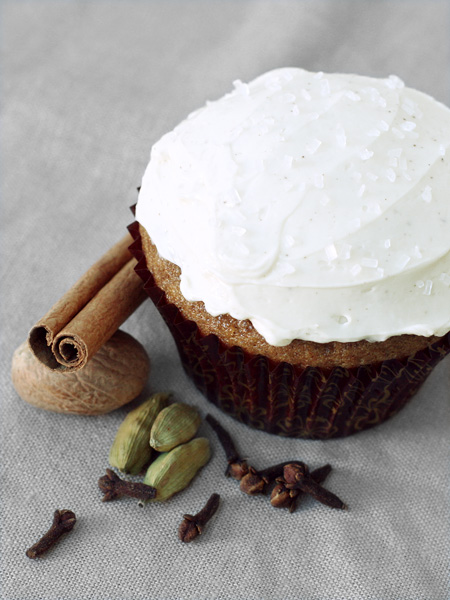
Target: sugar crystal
{"points": [[398, 133], [371, 263], [393, 162], [366, 154], [408, 126], [341, 137], [345, 251], [273, 86], [318, 180], [394, 82], [289, 241], [428, 287], [390, 174], [353, 96], [402, 261], [373, 132], [331, 252], [287, 161], [408, 105], [427, 194], [239, 231], [325, 87], [313, 145], [306, 95], [241, 88], [445, 278], [395, 152]]}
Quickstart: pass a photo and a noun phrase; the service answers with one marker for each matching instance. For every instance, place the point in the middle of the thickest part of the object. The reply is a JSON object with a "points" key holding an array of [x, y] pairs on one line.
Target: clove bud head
{"points": [[252, 483], [192, 525], [281, 497], [188, 529], [237, 468], [295, 472]]}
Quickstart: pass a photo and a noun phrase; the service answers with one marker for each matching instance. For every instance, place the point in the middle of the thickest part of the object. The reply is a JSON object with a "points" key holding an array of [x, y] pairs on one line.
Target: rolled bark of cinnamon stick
{"points": [[90, 312]]}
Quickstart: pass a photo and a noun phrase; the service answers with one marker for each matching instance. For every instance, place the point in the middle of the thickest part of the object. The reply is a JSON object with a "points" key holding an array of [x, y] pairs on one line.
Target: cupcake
{"points": [[295, 237]]}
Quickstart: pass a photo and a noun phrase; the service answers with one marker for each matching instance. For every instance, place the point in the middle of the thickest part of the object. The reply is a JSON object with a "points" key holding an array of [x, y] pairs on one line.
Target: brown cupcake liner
{"points": [[283, 399]]}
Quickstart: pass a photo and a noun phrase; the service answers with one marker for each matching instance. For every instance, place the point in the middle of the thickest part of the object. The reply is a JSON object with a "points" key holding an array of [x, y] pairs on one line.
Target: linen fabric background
{"points": [[87, 88]]}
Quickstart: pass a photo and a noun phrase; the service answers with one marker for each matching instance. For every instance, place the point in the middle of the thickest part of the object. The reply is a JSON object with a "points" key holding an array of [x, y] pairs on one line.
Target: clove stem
{"points": [[237, 466], [321, 494], [114, 487], [319, 475]]}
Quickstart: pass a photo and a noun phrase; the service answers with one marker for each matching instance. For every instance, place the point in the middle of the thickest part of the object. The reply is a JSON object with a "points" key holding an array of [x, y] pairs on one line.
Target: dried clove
{"points": [[283, 497], [63, 522], [253, 483], [192, 525], [296, 476], [237, 466], [292, 478], [256, 482], [114, 487]]}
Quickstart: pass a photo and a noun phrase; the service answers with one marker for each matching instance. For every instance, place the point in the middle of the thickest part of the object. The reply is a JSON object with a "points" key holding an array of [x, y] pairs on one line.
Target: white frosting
{"points": [[315, 205]]}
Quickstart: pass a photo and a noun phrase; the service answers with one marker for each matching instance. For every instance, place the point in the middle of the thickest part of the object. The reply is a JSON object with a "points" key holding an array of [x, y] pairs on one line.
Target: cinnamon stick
{"points": [[90, 312]]}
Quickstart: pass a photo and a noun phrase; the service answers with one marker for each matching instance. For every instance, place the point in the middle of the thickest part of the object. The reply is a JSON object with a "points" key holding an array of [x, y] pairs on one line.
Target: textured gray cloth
{"points": [[87, 88]]}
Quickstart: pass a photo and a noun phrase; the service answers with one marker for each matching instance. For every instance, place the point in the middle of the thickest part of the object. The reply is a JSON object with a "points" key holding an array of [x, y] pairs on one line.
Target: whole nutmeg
{"points": [[115, 375]]}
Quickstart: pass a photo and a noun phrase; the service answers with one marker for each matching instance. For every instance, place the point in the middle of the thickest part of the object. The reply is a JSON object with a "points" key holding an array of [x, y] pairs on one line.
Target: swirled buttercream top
{"points": [[315, 205]]}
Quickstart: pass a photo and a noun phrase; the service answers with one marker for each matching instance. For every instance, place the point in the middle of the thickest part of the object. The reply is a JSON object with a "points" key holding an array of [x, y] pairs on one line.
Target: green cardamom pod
{"points": [[172, 471], [175, 425], [130, 451]]}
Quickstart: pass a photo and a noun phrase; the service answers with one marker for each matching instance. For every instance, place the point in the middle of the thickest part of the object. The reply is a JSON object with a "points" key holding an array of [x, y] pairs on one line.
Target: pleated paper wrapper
{"points": [[283, 399]]}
